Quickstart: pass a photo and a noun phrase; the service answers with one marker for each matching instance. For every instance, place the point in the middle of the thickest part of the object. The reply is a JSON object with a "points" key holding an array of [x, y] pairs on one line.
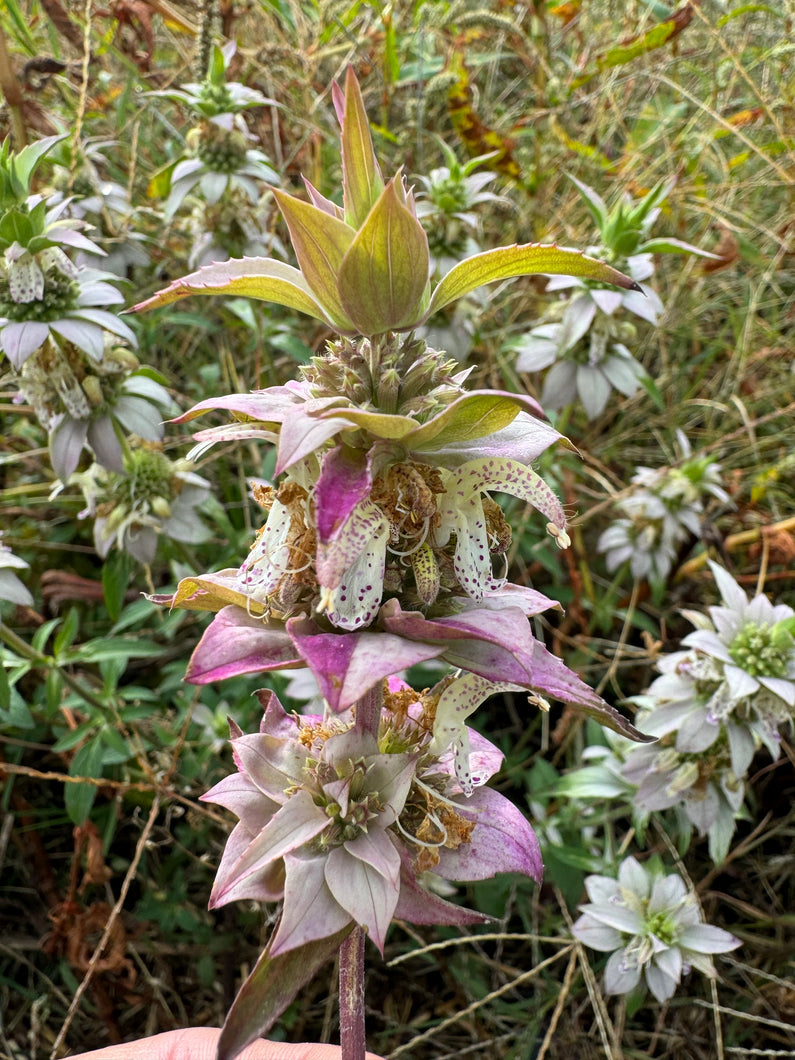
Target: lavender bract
{"points": [[345, 827]]}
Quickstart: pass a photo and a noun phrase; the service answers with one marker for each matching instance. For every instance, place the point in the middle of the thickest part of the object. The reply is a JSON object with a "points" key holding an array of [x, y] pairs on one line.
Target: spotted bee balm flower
{"points": [[652, 928], [382, 524], [735, 681], [382, 548]]}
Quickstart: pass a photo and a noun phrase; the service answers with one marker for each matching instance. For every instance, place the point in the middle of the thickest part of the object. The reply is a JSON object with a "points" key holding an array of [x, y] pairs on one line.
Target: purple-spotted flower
{"points": [[91, 404], [651, 926], [582, 339], [43, 295], [665, 507], [343, 826], [219, 162]]}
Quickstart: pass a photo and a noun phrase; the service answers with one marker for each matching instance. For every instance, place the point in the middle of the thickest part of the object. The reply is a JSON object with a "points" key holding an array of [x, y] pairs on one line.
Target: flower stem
{"points": [[352, 1041]]}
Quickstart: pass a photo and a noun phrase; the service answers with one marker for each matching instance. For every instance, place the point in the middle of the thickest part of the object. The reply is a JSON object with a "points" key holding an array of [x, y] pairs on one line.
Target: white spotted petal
{"points": [[460, 699], [461, 511], [350, 569]]}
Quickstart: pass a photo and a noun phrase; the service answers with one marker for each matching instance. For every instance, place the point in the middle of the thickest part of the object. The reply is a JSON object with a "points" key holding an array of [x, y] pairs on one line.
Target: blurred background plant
{"points": [[555, 118], [584, 341], [220, 176]]}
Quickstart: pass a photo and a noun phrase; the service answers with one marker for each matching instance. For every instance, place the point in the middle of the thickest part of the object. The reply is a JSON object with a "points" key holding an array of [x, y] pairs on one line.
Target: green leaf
{"points": [[16, 227], [112, 669], [72, 737], [67, 633], [595, 203], [362, 182], [109, 647], [383, 280], [22, 164], [747, 9], [269, 990], [505, 263], [320, 241], [217, 69], [79, 798], [656, 37], [652, 390], [20, 23], [18, 714], [53, 689], [391, 60], [160, 183], [120, 750], [42, 634], [116, 571], [5, 686]]}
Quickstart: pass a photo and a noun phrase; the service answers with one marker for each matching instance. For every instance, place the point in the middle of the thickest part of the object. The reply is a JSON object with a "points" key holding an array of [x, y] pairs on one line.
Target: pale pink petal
{"points": [[502, 841], [295, 823], [310, 910], [363, 892]]}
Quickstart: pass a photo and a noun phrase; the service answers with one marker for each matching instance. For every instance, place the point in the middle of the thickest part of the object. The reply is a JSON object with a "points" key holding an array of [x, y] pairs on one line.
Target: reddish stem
{"points": [[352, 1040]]}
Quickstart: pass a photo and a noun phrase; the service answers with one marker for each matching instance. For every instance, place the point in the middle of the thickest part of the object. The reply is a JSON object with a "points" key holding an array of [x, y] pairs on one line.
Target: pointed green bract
{"points": [[362, 180], [381, 424], [269, 990], [263, 278], [472, 416], [384, 275], [505, 263], [320, 242]]}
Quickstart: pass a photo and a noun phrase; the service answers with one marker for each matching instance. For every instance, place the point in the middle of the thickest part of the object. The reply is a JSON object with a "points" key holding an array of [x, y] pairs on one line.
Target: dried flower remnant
{"points": [[582, 339]]}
